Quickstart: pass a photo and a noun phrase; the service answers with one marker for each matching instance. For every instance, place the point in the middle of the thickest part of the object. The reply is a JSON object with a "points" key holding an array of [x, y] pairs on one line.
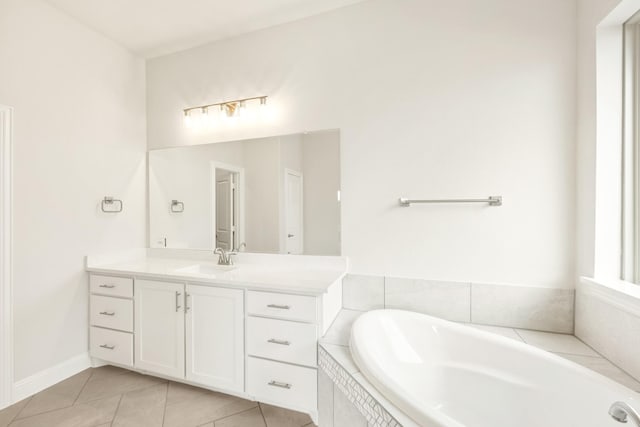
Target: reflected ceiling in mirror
{"points": [[270, 195]]}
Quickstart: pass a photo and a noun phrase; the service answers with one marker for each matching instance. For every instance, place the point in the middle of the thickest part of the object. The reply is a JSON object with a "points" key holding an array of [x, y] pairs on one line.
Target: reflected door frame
{"points": [[239, 200], [287, 173], [6, 253]]}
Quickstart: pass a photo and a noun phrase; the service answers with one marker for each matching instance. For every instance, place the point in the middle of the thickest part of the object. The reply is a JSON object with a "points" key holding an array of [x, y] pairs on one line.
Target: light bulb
{"points": [[264, 109], [208, 117], [241, 110]]}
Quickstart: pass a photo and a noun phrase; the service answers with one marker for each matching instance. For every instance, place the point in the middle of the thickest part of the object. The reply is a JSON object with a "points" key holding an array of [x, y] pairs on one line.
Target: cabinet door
{"points": [[215, 337], [159, 327]]}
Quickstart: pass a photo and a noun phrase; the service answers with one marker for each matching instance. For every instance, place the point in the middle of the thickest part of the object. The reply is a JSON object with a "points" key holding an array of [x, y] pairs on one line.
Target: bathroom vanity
{"points": [[249, 330]]}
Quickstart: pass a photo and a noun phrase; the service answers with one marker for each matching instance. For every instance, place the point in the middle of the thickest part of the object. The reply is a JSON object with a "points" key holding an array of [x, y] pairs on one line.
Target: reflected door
{"points": [[293, 212], [224, 210]]}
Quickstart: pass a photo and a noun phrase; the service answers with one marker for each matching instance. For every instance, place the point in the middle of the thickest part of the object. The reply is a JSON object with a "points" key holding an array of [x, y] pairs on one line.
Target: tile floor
{"points": [[110, 396]]}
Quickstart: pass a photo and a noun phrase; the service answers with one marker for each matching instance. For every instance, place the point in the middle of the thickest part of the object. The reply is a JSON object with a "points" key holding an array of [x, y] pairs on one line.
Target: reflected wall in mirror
{"points": [[274, 195]]}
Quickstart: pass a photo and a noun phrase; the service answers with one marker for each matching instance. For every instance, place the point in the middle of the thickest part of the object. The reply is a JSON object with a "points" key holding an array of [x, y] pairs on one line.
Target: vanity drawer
{"points": [[110, 285], [114, 313], [279, 383], [282, 306], [282, 340], [111, 346]]}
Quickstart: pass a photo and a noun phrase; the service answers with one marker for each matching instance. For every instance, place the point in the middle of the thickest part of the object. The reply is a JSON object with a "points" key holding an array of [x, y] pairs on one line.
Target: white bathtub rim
{"points": [[411, 407], [391, 390]]}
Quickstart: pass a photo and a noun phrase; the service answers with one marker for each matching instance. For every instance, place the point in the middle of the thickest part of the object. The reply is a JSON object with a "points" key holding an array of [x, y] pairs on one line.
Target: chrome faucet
{"points": [[621, 412], [224, 257]]}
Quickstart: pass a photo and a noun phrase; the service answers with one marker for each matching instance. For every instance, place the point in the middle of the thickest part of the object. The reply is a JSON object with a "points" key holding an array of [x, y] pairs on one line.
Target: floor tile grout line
{"points": [[166, 400], [115, 413], [43, 413], [128, 391], [40, 413], [215, 420], [18, 417], [82, 388], [261, 413], [15, 417]]}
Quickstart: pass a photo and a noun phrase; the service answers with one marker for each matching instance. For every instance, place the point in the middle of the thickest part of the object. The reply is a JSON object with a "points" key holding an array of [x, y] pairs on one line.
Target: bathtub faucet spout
{"points": [[621, 412]]}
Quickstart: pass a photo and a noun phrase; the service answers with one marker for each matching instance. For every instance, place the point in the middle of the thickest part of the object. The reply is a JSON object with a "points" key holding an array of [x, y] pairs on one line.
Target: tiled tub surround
{"points": [[525, 307], [608, 319], [340, 379], [250, 331]]}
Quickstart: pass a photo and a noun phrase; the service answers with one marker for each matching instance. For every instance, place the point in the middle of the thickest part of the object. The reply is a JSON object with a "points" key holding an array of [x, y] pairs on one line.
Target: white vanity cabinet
{"points": [[190, 331], [215, 337], [111, 319], [282, 337], [258, 344], [159, 330]]}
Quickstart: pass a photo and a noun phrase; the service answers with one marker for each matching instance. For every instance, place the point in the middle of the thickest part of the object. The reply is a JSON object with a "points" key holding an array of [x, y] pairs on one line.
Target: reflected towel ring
{"points": [[111, 205], [177, 207]]}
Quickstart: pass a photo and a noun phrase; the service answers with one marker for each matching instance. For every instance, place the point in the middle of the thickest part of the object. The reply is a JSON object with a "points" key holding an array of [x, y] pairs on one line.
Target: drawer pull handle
{"points": [[108, 313], [280, 307], [108, 347], [279, 384], [108, 286], [281, 342], [178, 306]]}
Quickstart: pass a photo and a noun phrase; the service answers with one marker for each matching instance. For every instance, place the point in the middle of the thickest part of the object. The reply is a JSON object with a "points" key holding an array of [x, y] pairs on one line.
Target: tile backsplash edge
{"points": [[526, 307]]}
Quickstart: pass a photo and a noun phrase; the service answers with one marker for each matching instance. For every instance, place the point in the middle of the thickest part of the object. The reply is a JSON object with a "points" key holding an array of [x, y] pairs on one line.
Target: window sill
{"points": [[623, 295]]}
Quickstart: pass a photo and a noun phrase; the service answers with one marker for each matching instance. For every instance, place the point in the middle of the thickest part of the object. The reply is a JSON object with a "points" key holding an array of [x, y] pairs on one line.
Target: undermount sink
{"points": [[205, 269]]}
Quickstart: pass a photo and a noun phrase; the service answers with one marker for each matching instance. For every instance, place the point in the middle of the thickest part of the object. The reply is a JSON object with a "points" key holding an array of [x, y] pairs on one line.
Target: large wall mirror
{"points": [[273, 195]]}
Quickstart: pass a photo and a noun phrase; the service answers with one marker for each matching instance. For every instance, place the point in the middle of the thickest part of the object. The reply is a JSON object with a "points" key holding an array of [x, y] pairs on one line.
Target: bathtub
{"points": [[446, 374]]}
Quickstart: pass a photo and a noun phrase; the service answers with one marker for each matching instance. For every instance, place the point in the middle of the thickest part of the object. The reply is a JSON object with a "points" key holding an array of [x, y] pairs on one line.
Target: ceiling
{"points": [[158, 27]]}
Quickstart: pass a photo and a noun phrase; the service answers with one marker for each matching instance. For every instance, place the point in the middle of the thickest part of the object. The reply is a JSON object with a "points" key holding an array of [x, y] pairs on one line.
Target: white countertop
{"points": [[311, 275]]}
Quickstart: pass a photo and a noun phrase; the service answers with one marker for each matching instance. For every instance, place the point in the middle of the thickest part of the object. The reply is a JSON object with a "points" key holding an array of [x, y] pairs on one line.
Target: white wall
{"points": [[321, 165], [79, 136], [434, 99]]}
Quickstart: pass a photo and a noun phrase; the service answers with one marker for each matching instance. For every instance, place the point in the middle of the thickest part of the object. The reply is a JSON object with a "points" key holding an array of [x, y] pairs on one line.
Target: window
{"points": [[630, 263]]}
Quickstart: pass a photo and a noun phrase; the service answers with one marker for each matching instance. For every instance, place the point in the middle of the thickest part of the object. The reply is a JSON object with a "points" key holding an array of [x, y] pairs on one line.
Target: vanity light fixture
{"points": [[228, 109]]}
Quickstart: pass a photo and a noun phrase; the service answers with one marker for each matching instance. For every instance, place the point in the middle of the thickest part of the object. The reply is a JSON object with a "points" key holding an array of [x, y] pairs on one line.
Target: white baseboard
{"points": [[44, 379]]}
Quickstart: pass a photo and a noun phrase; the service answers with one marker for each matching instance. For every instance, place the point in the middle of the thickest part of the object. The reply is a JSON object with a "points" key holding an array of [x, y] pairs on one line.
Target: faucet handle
{"points": [[229, 255], [222, 255]]}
